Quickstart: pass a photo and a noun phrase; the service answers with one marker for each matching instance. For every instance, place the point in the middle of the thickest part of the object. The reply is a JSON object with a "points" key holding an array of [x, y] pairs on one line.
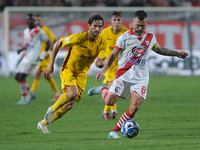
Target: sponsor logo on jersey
{"points": [[85, 57], [108, 39], [66, 40], [139, 51]]}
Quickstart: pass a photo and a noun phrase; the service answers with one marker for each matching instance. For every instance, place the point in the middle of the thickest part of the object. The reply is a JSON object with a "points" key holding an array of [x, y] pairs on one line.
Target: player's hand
{"points": [[182, 54], [99, 76], [99, 62], [49, 71], [18, 51], [46, 56]]}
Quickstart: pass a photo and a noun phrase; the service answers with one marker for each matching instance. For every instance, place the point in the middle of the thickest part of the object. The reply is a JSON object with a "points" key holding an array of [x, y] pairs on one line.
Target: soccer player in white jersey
{"points": [[132, 76], [33, 36]]}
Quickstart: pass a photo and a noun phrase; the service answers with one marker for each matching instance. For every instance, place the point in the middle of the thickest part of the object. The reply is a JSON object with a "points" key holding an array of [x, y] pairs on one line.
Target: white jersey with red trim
{"points": [[133, 56], [33, 42]]}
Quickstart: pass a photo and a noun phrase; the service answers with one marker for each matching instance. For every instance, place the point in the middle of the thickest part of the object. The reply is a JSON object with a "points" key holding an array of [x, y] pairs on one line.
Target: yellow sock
{"points": [[43, 122], [35, 85], [53, 85], [114, 107], [60, 102], [106, 108], [58, 114]]}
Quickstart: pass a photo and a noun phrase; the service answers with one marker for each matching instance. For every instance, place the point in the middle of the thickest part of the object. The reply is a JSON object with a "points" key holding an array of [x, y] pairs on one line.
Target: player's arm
{"points": [[21, 49], [167, 52], [55, 50], [108, 63]]}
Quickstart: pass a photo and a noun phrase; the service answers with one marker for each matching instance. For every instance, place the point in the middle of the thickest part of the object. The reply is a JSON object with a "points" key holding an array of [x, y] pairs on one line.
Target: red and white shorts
{"points": [[123, 88]]}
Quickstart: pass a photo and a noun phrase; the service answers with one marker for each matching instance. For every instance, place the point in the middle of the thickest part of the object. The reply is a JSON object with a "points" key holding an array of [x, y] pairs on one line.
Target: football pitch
{"points": [[169, 119]]}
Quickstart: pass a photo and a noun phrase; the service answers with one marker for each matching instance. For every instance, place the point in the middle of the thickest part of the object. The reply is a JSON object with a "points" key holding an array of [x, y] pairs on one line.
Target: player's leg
{"points": [[43, 65], [70, 95], [138, 95], [21, 79], [53, 85], [35, 84], [42, 125]]}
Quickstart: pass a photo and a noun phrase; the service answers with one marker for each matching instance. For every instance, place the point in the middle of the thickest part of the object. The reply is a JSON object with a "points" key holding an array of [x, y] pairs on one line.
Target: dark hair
{"points": [[95, 17], [117, 13], [38, 15], [140, 14], [30, 16]]}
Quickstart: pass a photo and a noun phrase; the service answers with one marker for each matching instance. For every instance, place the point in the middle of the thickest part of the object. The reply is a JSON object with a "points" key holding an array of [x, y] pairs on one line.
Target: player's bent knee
{"points": [[72, 96]]}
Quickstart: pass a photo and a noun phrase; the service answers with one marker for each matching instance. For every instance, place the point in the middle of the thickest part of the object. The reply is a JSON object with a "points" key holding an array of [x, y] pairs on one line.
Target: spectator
{"points": [[196, 3], [112, 3], [3, 3], [88, 3], [100, 3]]}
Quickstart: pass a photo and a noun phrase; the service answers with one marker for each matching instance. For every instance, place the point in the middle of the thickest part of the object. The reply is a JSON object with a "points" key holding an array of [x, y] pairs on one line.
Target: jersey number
{"points": [[143, 91]]}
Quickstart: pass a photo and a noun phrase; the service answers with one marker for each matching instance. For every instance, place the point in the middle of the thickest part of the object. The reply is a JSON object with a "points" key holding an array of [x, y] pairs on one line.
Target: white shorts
{"points": [[25, 67], [123, 88]]}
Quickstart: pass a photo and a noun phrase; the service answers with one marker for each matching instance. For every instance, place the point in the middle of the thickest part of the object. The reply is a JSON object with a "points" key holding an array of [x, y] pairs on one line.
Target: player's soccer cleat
{"points": [[55, 97], [42, 127], [114, 135], [113, 115], [106, 116], [32, 96], [96, 90], [49, 115], [23, 101]]}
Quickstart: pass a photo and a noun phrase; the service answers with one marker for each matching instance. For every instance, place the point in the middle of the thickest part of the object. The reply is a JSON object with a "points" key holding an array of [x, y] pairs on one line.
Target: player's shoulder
{"points": [[124, 29], [107, 29], [125, 35], [150, 34]]}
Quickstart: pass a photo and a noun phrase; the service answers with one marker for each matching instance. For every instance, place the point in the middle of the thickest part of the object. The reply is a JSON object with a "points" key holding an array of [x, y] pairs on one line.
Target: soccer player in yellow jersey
{"points": [[111, 34], [44, 63], [84, 48]]}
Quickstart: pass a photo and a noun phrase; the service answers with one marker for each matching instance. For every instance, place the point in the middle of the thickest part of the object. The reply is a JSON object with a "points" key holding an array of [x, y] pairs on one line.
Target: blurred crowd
{"points": [[100, 3]]}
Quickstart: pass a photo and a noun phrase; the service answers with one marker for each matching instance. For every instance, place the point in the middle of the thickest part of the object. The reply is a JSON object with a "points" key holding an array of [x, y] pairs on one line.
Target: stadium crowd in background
{"points": [[103, 3]]}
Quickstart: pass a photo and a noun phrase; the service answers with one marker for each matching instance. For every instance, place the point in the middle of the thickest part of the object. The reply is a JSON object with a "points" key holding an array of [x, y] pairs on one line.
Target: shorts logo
{"points": [[66, 40], [139, 51]]}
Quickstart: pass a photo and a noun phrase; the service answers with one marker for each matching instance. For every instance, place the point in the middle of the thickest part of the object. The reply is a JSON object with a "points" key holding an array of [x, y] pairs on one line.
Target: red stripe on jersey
{"points": [[118, 48], [147, 40], [133, 60], [66, 60], [34, 33]]}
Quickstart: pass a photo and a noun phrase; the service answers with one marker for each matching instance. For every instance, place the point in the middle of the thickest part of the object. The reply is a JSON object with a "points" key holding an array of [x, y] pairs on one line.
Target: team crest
{"points": [[139, 51]]}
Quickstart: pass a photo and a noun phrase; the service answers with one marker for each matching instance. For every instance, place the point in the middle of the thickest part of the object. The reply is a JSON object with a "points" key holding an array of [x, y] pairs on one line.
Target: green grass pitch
{"points": [[169, 119]]}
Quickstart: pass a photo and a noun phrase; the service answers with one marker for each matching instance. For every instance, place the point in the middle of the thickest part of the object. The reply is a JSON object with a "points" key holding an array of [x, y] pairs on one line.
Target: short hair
{"points": [[140, 14], [117, 13], [95, 17], [38, 15], [29, 16]]}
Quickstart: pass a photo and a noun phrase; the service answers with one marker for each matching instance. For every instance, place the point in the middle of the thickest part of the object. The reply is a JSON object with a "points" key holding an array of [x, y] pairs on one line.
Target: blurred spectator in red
{"points": [[196, 3]]}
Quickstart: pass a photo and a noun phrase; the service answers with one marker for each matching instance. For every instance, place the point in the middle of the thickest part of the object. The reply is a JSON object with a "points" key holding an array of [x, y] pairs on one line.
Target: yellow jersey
{"points": [[82, 52], [111, 38], [50, 35]]}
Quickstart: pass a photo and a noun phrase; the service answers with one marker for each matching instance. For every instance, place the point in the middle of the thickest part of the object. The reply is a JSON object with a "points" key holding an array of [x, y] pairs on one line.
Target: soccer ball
{"points": [[130, 129]]}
